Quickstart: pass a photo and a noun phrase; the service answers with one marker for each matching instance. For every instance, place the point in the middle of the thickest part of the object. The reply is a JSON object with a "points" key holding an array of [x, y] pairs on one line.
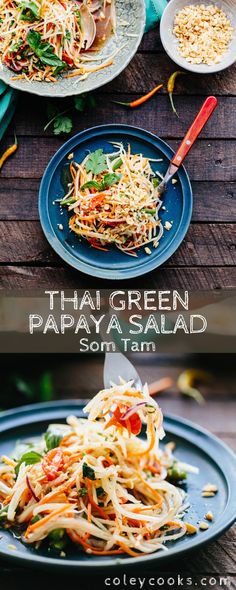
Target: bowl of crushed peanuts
{"points": [[200, 37]]}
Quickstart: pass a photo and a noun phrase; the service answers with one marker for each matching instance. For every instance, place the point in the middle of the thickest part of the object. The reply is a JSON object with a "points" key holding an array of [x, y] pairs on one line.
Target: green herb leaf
{"points": [[107, 181], [88, 472], [96, 162], [44, 51], [57, 539], [16, 46], [110, 179], [92, 184], [62, 124], [100, 492], [35, 519], [175, 475], [3, 512], [53, 436], [155, 182], [29, 11], [29, 459], [83, 492]]}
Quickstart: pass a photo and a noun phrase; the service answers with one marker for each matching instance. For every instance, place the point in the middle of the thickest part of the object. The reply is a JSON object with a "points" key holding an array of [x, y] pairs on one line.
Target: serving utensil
{"points": [[117, 365], [192, 134]]}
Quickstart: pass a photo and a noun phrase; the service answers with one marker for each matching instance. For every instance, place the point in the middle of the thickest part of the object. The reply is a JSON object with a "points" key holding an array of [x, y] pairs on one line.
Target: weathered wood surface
{"points": [[207, 257], [46, 277], [205, 244]]}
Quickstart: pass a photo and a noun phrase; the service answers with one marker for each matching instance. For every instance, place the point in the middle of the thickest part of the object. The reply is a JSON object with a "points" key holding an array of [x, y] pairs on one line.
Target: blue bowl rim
{"points": [[91, 269]]}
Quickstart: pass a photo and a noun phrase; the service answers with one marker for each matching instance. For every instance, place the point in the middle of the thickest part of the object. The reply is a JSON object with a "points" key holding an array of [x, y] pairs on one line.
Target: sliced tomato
{"points": [[53, 463], [95, 201], [67, 58], [133, 424]]}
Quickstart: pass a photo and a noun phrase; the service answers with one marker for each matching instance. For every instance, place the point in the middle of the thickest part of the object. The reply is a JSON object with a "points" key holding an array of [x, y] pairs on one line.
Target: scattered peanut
{"points": [[210, 487], [209, 516], [190, 528], [208, 494], [203, 526]]}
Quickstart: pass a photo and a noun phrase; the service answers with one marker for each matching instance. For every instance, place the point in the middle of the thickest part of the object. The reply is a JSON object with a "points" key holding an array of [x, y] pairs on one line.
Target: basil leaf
{"points": [[29, 459], [29, 11], [44, 51], [107, 181], [88, 472], [92, 184], [110, 179]]}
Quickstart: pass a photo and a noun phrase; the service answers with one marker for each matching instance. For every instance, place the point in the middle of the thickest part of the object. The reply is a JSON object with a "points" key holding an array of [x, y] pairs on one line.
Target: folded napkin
{"points": [[154, 10], [8, 96]]}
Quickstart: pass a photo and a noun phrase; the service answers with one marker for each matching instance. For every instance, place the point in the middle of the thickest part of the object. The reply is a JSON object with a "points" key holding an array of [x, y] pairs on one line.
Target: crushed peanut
{"points": [[208, 494], [204, 33], [70, 156], [209, 516], [168, 225], [190, 528], [174, 180], [148, 250], [203, 526], [210, 487]]}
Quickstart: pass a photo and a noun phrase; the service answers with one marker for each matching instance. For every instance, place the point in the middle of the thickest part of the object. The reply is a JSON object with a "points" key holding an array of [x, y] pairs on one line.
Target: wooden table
{"points": [[207, 256], [81, 376]]}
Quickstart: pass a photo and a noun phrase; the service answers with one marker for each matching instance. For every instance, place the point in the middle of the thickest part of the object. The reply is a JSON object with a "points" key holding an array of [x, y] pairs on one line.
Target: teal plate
{"points": [[113, 264], [216, 463]]}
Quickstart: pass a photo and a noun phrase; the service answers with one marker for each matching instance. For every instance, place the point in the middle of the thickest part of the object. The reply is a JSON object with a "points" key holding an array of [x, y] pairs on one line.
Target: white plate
{"points": [[130, 28], [170, 42]]}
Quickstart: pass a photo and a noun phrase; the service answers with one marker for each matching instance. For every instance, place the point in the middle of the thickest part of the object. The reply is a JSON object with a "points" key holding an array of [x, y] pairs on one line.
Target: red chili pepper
{"points": [[141, 100], [53, 463]]}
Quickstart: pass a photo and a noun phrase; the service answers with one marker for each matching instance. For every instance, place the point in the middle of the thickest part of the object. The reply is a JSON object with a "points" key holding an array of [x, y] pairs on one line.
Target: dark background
{"points": [[31, 378]]}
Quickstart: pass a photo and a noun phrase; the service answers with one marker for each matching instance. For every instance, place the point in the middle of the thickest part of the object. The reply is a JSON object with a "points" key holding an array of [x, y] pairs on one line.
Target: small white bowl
{"points": [[170, 41]]}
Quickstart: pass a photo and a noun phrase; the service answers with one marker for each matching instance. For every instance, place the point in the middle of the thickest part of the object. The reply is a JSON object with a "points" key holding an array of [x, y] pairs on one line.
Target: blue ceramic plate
{"points": [[113, 264], [216, 463]]}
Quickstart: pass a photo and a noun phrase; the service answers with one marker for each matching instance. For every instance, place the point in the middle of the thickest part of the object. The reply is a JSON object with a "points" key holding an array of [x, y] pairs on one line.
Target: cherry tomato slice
{"points": [[53, 463], [133, 424]]}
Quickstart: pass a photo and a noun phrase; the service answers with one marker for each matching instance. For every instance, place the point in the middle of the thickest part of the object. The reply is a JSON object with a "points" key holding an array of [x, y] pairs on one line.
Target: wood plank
{"points": [[147, 70], [155, 115], [32, 277], [204, 245], [209, 160], [212, 202]]}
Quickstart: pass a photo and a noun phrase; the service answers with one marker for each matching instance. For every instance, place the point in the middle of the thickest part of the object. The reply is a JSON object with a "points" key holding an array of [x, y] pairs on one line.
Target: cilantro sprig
{"points": [[97, 162], [62, 122]]}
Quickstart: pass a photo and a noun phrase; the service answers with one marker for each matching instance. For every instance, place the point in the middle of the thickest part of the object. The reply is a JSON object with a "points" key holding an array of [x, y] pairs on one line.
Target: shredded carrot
{"points": [[76, 538], [32, 527], [91, 500]]}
